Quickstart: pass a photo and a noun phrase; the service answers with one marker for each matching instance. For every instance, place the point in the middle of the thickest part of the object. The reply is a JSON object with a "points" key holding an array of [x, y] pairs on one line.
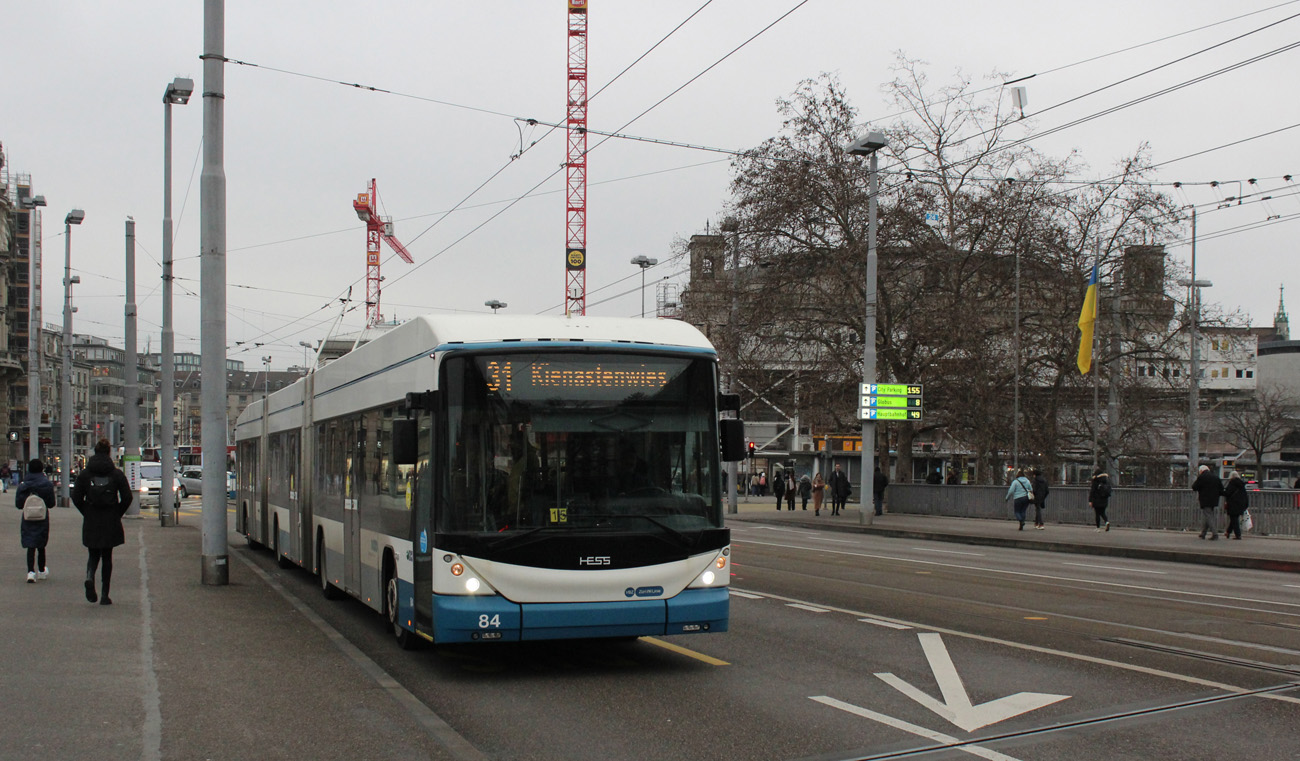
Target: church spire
{"points": [[1281, 326]]}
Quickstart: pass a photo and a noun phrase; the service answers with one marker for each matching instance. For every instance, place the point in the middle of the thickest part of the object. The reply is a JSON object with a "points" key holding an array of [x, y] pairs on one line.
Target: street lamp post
{"points": [[494, 305], [306, 347], [644, 262], [1194, 287], [178, 92], [869, 146], [74, 217]]}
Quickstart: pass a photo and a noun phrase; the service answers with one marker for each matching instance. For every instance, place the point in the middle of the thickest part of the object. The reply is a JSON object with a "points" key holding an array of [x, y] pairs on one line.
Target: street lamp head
{"points": [[179, 91], [74, 217], [865, 146], [494, 305], [644, 261], [306, 344], [31, 202], [1199, 283]]}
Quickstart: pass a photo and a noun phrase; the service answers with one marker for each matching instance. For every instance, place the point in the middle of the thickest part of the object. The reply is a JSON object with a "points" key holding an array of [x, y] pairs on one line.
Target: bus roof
{"points": [[474, 329]]}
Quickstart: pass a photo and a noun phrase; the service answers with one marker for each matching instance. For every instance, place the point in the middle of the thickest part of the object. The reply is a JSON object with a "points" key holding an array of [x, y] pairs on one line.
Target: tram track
{"points": [[1076, 724]]}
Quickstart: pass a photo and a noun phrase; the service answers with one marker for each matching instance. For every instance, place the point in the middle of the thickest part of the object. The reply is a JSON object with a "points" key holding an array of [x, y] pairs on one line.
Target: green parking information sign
{"points": [[914, 415], [891, 389], [913, 402]]}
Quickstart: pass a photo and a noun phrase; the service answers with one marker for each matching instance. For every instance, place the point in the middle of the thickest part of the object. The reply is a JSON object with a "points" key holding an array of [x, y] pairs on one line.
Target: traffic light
{"points": [[751, 449]]}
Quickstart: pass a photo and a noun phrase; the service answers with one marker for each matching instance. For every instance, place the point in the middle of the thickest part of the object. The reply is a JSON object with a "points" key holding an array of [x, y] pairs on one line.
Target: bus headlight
{"points": [[471, 585], [708, 578]]}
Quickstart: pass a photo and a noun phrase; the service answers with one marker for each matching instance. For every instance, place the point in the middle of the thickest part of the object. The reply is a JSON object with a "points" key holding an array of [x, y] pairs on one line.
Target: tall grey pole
{"points": [[131, 369], [729, 226], [167, 388], [212, 299], [1015, 422], [1194, 401], [34, 338], [867, 479], [1112, 405], [65, 406]]}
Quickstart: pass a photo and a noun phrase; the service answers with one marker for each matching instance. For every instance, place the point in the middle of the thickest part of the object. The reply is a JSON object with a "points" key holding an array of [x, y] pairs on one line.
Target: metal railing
{"points": [[1273, 512]]}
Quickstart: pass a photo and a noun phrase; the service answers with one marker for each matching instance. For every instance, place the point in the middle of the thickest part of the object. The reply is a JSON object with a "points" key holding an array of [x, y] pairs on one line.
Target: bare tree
{"points": [[1260, 424]]}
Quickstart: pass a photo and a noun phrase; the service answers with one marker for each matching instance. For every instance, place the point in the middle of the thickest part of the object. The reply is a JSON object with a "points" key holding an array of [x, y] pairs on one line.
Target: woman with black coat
{"points": [[102, 494], [1099, 497], [1236, 500], [36, 534]]}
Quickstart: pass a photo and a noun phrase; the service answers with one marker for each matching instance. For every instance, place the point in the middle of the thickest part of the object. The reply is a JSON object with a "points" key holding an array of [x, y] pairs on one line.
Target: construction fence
{"points": [[1274, 513]]}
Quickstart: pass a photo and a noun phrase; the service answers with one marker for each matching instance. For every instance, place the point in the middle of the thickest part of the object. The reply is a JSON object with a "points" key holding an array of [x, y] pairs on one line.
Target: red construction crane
{"points": [[575, 252], [367, 208]]}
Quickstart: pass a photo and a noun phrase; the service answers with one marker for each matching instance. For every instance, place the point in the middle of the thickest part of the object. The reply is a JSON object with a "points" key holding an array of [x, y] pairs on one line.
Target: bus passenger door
{"points": [[352, 487]]}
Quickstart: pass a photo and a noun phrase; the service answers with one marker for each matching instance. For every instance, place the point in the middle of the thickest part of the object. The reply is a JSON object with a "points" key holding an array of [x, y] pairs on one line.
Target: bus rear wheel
{"points": [[406, 639], [280, 559], [327, 590]]}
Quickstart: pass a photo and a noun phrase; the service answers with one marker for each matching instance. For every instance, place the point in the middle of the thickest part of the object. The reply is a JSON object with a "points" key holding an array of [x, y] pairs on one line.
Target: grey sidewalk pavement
{"points": [[1261, 552], [174, 669]]}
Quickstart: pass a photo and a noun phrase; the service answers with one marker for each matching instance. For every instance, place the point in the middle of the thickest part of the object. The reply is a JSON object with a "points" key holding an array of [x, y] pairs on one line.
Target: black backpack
{"points": [[102, 491]]}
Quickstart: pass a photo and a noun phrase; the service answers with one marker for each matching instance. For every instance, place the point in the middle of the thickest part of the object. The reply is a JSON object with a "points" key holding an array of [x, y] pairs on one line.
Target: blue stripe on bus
{"points": [[493, 618]]}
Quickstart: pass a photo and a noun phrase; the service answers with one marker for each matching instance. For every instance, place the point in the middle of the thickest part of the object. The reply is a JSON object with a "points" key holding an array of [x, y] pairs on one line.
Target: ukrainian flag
{"points": [[1087, 317]]}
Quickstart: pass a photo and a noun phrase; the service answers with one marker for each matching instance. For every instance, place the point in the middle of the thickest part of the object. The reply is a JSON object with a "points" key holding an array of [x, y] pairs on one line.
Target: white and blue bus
{"points": [[503, 478]]}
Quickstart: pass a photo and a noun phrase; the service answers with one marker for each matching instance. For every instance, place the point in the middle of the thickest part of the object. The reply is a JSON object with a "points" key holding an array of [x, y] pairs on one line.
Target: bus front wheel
{"points": [[406, 639]]}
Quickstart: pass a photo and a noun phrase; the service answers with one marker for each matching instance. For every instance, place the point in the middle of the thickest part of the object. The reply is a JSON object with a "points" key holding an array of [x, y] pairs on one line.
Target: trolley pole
{"points": [[212, 297]]}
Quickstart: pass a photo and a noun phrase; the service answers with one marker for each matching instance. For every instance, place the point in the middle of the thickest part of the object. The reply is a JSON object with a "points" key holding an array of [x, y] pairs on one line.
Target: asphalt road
{"points": [[847, 646]]}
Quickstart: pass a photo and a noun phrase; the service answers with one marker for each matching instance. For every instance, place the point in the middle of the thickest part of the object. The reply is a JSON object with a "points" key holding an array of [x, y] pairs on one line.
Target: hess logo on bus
{"points": [[594, 560]]}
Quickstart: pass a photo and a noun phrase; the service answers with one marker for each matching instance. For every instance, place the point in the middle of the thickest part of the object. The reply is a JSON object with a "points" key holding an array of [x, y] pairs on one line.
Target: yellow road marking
{"points": [[683, 651], [1035, 618]]}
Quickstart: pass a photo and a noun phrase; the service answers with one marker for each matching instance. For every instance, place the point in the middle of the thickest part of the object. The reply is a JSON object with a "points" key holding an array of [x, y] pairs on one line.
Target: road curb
{"points": [[1139, 553]]}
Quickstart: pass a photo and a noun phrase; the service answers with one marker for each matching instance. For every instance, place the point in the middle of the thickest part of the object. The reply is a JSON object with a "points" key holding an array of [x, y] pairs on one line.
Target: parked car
{"points": [[191, 480], [1273, 484], [151, 483]]}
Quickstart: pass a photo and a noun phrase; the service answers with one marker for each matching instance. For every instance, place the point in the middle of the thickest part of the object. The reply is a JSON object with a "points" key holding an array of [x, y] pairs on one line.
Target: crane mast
{"points": [[378, 228], [575, 254]]}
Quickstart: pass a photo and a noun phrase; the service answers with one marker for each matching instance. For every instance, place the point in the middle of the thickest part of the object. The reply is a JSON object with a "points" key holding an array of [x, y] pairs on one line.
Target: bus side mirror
{"points": [[406, 445], [732, 434]]}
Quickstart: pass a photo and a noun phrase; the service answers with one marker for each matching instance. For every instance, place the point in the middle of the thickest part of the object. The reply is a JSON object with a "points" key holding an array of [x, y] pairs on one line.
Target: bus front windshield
{"points": [[578, 441]]}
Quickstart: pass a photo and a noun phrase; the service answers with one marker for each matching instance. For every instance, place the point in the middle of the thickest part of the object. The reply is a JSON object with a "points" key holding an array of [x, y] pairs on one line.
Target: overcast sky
{"points": [[81, 112]]}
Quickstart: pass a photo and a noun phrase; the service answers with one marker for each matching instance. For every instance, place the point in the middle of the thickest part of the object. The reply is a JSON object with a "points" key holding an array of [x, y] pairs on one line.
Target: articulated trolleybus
{"points": [[504, 478]]}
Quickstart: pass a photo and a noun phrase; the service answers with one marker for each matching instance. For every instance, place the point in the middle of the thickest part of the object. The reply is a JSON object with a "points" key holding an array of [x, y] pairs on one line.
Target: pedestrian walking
{"points": [[762, 484], [805, 490], [5, 475], [1099, 497], [35, 531], [879, 481], [753, 485], [790, 488], [1021, 493], [1041, 490], [953, 479], [1236, 500], [934, 478], [819, 493], [1208, 489], [778, 488], [103, 495], [840, 488]]}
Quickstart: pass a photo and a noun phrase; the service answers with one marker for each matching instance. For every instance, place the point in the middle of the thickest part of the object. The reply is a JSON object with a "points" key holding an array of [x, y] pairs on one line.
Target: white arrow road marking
{"points": [[956, 706], [928, 734]]}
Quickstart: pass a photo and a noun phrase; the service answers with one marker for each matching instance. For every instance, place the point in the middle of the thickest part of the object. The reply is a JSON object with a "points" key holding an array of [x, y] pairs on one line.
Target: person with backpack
{"points": [[35, 531], [1099, 497], [102, 494]]}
